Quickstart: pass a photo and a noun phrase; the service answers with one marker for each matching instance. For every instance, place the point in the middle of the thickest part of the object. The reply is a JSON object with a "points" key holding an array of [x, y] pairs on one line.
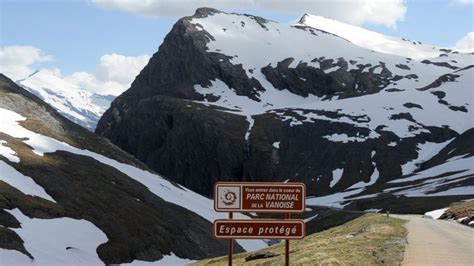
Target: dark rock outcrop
{"points": [[10, 240], [261, 255], [305, 80]]}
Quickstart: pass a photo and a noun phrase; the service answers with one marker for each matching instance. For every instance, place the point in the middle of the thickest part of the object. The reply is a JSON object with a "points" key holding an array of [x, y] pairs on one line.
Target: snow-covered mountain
{"points": [[80, 106], [252, 99], [70, 197]]}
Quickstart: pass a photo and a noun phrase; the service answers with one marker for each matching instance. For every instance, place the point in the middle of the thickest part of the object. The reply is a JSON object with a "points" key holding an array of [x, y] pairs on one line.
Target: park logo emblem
{"points": [[229, 197]]}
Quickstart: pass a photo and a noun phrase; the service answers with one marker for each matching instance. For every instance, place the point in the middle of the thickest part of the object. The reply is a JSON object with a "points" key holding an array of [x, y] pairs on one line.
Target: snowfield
{"points": [[61, 241], [369, 39]]}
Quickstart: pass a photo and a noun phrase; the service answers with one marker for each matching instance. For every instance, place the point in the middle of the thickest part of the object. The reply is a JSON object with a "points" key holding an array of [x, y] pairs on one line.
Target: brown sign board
{"points": [[259, 229], [269, 197]]}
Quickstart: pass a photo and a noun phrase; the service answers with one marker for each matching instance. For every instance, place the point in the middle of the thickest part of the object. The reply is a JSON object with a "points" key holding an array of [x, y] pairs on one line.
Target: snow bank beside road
{"points": [[436, 213]]}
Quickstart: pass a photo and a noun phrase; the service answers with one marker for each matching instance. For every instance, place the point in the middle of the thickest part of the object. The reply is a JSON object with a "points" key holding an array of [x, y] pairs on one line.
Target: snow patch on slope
{"points": [[8, 153], [344, 138], [333, 200], [23, 183], [373, 179], [60, 241], [336, 176], [249, 129], [426, 151], [465, 165], [460, 169], [242, 105], [276, 145]]}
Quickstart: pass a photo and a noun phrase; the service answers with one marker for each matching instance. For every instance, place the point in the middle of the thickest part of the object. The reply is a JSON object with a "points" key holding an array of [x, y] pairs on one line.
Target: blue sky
{"points": [[436, 22], [77, 33]]}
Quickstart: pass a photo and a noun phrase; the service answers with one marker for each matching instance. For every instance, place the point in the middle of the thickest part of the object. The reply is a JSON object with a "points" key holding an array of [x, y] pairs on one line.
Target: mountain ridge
{"points": [[370, 39]]}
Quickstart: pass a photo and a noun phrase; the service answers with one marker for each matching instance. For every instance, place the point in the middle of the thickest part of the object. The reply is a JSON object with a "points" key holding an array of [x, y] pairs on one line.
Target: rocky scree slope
{"points": [[240, 98], [70, 196]]}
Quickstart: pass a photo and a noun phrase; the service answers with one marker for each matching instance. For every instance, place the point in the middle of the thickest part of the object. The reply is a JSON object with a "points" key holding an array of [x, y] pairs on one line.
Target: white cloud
{"points": [[16, 60], [114, 74], [121, 68], [466, 43], [383, 12], [465, 2], [91, 83]]}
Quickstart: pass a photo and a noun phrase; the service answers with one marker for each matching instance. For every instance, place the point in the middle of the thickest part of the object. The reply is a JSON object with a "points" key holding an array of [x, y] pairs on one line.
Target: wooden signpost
{"points": [[262, 197]]}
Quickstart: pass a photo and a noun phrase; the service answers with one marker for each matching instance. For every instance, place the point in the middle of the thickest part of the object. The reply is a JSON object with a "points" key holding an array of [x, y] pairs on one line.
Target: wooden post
{"points": [[230, 244], [388, 214], [287, 246]]}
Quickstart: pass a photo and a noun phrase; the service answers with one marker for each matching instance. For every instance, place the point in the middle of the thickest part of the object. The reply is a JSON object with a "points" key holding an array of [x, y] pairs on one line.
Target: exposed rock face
{"points": [[240, 98], [173, 130], [139, 224], [305, 80], [261, 255]]}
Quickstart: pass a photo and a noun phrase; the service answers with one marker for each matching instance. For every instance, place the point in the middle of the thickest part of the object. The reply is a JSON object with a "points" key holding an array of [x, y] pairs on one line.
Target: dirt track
{"points": [[437, 242]]}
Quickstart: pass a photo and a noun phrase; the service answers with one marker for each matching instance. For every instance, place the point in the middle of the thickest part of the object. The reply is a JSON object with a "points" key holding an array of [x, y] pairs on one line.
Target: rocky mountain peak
{"points": [[203, 12], [232, 97], [303, 18]]}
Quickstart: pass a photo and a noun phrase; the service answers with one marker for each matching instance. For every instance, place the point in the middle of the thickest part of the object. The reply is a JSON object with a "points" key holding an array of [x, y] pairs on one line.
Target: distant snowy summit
{"points": [[372, 40], [78, 105]]}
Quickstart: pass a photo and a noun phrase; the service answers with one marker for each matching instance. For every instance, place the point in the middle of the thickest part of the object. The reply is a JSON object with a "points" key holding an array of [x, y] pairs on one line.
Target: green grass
{"points": [[460, 210], [372, 239]]}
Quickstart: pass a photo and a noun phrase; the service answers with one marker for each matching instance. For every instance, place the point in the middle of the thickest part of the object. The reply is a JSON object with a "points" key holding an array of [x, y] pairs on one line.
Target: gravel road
{"points": [[437, 242]]}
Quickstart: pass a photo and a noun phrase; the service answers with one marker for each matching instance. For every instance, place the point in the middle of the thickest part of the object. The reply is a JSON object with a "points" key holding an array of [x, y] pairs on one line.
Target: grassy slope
{"points": [[461, 211], [372, 239]]}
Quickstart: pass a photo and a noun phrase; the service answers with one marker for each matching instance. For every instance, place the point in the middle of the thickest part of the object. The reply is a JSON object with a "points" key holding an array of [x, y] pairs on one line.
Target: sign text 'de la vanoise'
{"points": [[259, 197]]}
